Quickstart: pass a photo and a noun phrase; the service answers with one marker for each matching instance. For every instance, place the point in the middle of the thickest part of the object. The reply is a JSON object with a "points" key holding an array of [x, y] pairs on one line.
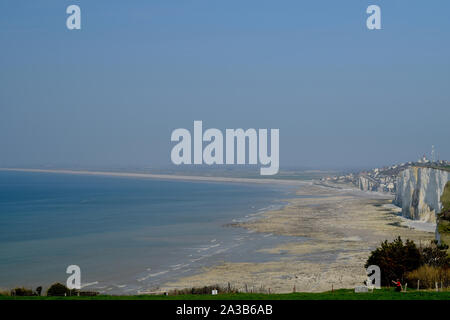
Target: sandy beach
{"points": [[342, 224], [159, 176]]}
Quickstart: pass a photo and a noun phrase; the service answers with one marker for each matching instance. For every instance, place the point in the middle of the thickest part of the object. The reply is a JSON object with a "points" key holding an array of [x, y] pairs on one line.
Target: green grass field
{"points": [[342, 294]]}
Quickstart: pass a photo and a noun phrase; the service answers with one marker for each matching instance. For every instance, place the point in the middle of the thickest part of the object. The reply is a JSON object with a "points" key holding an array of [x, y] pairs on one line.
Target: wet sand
{"points": [[342, 224]]}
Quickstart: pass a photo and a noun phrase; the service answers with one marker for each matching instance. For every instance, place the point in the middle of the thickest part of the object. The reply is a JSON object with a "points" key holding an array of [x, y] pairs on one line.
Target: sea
{"points": [[127, 235]]}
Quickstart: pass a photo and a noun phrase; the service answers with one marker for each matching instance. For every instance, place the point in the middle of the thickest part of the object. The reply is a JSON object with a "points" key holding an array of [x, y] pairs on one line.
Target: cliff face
{"points": [[419, 191], [378, 184], [365, 184]]}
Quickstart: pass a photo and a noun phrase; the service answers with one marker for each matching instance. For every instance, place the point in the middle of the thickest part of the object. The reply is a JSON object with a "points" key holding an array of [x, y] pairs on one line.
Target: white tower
{"points": [[433, 154]]}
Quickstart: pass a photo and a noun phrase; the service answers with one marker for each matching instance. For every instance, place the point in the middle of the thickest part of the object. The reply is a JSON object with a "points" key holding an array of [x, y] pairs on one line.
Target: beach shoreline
{"points": [[198, 239], [193, 178], [340, 223], [343, 224]]}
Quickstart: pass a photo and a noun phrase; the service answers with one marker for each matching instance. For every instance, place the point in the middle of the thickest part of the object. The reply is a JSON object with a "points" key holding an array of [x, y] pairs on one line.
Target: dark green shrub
{"points": [[21, 292], [58, 289], [395, 259]]}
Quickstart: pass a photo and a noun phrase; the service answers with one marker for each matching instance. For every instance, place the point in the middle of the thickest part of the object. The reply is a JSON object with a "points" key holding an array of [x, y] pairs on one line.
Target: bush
{"points": [[395, 259], [435, 255], [428, 276], [58, 289], [203, 290], [21, 292], [445, 198], [445, 215]]}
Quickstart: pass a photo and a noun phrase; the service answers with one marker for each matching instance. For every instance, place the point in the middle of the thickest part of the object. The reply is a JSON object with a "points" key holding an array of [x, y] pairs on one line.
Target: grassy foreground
{"points": [[342, 294]]}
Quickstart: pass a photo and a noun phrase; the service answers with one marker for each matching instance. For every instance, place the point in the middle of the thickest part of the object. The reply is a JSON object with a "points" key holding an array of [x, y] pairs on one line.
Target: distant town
{"points": [[385, 179]]}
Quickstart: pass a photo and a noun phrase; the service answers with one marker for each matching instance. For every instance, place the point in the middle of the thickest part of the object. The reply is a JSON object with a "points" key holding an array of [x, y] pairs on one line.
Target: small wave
{"points": [[208, 247], [271, 207], [179, 266], [88, 284], [158, 273], [151, 275], [200, 258], [221, 250]]}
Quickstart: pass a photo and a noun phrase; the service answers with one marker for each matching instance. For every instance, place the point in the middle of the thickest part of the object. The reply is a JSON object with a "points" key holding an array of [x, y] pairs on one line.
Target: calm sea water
{"points": [[127, 235]]}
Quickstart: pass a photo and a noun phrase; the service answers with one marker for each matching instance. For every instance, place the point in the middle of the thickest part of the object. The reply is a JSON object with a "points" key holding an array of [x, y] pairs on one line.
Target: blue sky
{"points": [[111, 93]]}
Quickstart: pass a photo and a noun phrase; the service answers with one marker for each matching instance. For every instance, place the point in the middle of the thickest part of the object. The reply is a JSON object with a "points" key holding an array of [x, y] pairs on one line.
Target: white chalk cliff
{"points": [[419, 191]]}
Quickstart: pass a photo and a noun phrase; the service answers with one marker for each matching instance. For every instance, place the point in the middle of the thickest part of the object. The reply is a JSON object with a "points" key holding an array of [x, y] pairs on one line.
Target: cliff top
{"points": [[433, 166]]}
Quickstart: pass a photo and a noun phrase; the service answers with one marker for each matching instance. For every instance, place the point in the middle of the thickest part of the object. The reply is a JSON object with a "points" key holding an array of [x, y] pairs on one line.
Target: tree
{"points": [[395, 259], [57, 289]]}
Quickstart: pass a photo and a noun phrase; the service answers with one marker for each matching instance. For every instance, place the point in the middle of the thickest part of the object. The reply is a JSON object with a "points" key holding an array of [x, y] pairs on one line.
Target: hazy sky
{"points": [[111, 93]]}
